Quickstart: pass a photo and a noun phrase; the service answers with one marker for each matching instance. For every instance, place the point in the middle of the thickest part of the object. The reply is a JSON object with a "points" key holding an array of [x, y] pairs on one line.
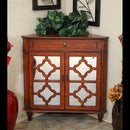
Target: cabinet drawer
{"points": [[63, 44]]}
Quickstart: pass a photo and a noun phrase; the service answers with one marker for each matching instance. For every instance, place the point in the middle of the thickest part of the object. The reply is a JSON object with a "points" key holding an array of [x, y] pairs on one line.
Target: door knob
{"points": [[65, 44]]}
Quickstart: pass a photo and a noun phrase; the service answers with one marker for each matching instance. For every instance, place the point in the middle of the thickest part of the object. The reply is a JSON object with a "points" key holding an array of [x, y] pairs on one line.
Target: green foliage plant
{"points": [[57, 23]]}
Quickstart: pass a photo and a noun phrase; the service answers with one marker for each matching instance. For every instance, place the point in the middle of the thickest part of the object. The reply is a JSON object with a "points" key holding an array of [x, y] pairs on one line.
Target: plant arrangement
{"points": [[73, 24], [115, 94]]}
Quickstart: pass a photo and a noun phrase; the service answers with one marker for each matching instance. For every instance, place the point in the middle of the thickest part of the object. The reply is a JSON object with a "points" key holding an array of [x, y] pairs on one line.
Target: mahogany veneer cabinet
{"points": [[65, 74]]}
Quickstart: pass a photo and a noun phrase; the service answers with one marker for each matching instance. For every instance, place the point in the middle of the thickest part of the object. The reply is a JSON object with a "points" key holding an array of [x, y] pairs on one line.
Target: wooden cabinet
{"points": [[65, 74]]}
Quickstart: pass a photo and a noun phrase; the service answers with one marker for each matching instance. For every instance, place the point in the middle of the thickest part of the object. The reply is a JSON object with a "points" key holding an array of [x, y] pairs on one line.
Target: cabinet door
{"points": [[46, 80], [82, 81]]}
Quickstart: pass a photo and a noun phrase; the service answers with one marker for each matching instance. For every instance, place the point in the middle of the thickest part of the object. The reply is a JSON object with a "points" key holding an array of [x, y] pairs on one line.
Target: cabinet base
{"points": [[100, 115]]}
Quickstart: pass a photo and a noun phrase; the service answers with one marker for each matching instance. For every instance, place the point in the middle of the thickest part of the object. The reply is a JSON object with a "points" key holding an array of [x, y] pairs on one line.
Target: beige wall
{"points": [[22, 21]]}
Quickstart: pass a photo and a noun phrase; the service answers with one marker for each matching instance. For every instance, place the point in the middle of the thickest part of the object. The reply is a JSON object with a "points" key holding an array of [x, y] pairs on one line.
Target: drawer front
{"points": [[63, 44]]}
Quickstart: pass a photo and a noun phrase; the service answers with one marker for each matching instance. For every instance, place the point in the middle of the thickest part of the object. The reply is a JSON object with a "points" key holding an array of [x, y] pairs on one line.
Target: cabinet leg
{"points": [[100, 117], [29, 114]]}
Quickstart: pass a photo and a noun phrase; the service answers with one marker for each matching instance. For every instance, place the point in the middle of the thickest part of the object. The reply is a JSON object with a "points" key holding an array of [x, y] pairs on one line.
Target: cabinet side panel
{"points": [[104, 74], [26, 73]]}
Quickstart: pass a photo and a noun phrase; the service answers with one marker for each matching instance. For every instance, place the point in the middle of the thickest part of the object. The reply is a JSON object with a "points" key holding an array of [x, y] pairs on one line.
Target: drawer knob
{"points": [[65, 44]]}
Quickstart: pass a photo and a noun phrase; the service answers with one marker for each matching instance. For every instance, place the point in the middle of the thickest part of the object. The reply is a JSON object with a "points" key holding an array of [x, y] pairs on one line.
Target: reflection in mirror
{"points": [[38, 59], [38, 76], [46, 67]]}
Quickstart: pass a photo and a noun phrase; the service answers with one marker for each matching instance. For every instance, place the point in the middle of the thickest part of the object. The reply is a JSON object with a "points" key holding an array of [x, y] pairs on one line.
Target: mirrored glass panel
{"points": [[73, 101], [38, 100], [82, 68], [55, 101], [92, 61], [38, 59], [91, 76], [46, 93], [73, 87], [73, 61], [38, 75], [55, 86], [90, 101], [55, 60], [82, 94], [73, 75], [46, 68], [91, 87], [37, 86], [55, 75]]}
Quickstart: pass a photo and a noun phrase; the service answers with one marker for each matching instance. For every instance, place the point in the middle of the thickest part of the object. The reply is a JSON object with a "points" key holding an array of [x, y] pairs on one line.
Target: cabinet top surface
{"points": [[86, 37]]}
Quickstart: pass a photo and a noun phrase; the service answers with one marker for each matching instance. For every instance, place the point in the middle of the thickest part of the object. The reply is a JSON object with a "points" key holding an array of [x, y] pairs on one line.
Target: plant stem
{"points": [[89, 10], [82, 4], [85, 10]]}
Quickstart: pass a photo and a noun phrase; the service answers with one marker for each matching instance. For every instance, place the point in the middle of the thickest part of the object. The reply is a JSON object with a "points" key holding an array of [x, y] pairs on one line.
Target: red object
{"points": [[9, 45], [12, 110], [8, 60]]}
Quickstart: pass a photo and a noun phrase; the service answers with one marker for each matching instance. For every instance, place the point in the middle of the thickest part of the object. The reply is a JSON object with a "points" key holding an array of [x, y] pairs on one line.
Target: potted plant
{"points": [[12, 102], [56, 22], [115, 94]]}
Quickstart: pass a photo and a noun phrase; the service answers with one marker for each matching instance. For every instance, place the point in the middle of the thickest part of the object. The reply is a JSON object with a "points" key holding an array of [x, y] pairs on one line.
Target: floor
{"points": [[64, 121]]}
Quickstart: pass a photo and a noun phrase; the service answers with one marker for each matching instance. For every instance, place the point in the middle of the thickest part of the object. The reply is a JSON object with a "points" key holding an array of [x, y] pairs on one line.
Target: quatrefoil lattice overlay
{"points": [[48, 91], [87, 70], [50, 65], [82, 93], [46, 68]]}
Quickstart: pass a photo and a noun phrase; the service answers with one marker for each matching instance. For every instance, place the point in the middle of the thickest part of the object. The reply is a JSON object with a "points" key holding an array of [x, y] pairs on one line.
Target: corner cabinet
{"points": [[65, 74]]}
